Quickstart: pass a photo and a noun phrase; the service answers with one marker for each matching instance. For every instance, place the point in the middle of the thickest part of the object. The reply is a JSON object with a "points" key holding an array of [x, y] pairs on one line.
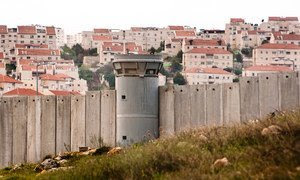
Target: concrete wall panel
{"points": [[108, 117], [92, 118], [231, 103], [166, 110], [63, 124], [198, 105], [6, 131], [289, 91], [249, 98], [268, 94], [48, 125], [19, 130], [214, 114], [182, 108], [77, 122], [34, 129]]}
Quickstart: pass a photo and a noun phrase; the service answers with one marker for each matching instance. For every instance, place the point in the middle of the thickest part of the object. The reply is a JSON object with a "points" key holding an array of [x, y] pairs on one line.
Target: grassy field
{"points": [[191, 155]]}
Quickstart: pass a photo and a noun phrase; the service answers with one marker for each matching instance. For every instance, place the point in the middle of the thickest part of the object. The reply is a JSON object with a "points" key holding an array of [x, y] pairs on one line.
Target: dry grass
{"points": [[190, 155]]}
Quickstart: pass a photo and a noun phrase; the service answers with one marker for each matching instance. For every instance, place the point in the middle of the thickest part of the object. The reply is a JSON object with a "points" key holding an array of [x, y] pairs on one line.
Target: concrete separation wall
{"points": [[193, 106], [33, 127]]}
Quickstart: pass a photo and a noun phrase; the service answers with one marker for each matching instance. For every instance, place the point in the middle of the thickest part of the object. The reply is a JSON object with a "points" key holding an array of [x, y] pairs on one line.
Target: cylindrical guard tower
{"points": [[137, 97]]}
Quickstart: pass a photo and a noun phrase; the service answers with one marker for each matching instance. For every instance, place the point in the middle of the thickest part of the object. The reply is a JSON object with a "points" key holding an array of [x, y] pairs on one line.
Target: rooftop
{"points": [[207, 71], [26, 30], [208, 51], [269, 68], [278, 46], [185, 33], [22, 92], [7, 79]]}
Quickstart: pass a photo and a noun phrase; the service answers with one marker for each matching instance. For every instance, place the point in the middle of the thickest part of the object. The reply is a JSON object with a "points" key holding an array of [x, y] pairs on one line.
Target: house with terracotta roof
{"points": [[189, 44], [108, 50], [198, 75], [258, 69], [22, 92], [281, 38], [277, 54], [38, 54], [186, 34], [207, 58], [7, 83], [282, 24]]}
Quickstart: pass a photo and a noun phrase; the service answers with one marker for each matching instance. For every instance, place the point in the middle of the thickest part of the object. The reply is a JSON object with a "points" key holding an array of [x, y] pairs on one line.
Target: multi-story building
{"points": [[232, 28], [207, 76], [277, 54], [207, 58], [173, 46], [7, 83], [212, 34], [283, 24], [29, 35], [258, 69]]}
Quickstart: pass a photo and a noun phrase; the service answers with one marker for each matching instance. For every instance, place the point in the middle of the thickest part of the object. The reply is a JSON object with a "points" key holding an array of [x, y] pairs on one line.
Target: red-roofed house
{"points": [[285, 38], [277, 54], [27, 30], [257, 69], [50, 31], [189, 44], [1, 56], [102, 31], [22, 92], [207, 58], [176, 28], [283, 24], [7, 83], [3, 29], [38, 54], [185, 34], [197, 75], [109, 49]]}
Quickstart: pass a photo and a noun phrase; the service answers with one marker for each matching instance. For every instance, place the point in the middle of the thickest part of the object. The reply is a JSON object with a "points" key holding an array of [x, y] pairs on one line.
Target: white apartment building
{"points": [[7, 84], [28, 35], [258, 69], [173, 46], [277, 54], [232, 28], [283, 24], [195, 76], [212, 34], [207, 58]]}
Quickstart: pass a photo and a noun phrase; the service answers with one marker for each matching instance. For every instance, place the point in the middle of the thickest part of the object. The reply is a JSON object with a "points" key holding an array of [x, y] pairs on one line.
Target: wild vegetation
{"points": [[267, 149]]}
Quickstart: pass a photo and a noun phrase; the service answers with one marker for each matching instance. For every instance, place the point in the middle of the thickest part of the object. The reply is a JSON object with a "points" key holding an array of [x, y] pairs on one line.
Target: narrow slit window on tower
{"points": [[123, 97], [124, 137]]}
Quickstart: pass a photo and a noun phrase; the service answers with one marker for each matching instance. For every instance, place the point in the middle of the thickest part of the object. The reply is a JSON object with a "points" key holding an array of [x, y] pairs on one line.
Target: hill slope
{"points": [[266, 149]]}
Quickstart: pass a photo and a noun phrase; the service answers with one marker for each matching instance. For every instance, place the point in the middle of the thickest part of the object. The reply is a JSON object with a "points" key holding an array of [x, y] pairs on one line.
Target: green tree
{"points": [[238, 57], [247, 51], [237, 71], [85, 73], [179, 79], [179, 55]]}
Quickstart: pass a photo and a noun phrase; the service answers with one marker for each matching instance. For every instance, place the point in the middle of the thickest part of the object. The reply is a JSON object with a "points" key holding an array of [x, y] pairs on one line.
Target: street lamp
{"points": [[288, 59]]}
